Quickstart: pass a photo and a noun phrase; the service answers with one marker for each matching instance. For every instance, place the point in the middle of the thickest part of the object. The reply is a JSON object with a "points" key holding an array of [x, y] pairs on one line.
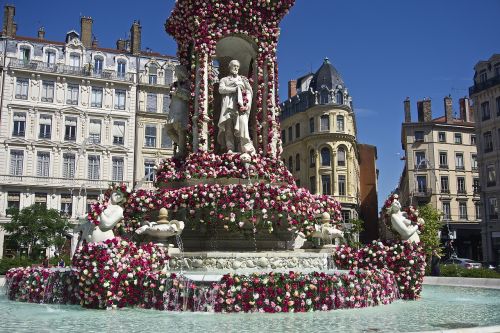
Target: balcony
{"points": [[443, 166], [55, 182], [478, 87], [462, 192], [426, 192], [460, 167], [39, 66]]}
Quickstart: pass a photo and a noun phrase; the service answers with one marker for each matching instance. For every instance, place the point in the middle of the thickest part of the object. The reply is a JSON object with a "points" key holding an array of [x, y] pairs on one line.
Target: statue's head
{"points": [[396, 206], [117, 197], [234, 67]]}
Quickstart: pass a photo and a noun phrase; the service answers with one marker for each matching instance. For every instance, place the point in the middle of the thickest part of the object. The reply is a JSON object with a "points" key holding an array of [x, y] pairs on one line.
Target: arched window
{"points": [[324, 124], [341, 157], [340, 97], [290, 163], [324, 96], [312, 158], [325, 157], [297, 162], [340, 123]]}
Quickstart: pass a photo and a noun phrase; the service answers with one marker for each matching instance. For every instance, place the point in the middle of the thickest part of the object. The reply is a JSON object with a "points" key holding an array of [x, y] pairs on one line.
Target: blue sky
{"points": [[385, 50]]}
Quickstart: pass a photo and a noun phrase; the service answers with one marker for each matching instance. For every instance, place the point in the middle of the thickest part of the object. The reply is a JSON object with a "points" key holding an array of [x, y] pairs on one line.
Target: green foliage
{"points": [[36, 227], [457, 271], [8, 263], [353, 232], [429, 235]]}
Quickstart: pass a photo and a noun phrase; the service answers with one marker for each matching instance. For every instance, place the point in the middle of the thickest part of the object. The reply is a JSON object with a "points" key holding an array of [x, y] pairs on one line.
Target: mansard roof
{"points": [[327, 76]]}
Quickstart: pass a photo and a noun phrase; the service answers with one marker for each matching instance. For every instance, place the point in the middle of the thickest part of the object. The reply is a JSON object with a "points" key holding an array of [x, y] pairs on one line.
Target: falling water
{"points": [[180, 245]]}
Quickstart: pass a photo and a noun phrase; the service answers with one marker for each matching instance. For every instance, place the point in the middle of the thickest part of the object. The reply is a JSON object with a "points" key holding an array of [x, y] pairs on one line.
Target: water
{"points": [[440, 308]]}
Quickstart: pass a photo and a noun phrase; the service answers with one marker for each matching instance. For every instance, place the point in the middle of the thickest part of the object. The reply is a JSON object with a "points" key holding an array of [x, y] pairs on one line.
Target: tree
{"points": [[37, 227], [429, 235]]}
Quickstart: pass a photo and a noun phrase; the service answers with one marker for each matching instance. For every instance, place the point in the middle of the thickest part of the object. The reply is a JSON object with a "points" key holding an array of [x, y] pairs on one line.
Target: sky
{"points": [[385, 51]]}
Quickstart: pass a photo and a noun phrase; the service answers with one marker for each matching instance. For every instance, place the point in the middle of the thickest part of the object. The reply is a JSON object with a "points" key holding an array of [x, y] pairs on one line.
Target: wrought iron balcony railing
{"points": [[478, 87], [55, 182]]}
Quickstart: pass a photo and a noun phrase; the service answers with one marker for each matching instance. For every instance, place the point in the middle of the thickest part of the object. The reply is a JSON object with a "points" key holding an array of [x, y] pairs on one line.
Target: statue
{"points": [[177, 116], [163, 228], [401, 223], [325, 231], [235, 111], [110, 216]]}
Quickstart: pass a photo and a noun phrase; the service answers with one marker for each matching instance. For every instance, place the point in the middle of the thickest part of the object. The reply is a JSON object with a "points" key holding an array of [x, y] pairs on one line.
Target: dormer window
{"points": [[98, 62], [25, 54], [483, 76], [74, 60], [121, 68], [50, 57], [340, 97]]}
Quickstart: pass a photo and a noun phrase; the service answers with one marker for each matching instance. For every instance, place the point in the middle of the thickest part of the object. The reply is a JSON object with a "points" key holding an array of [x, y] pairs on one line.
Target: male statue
{"points": [[236, 95]]}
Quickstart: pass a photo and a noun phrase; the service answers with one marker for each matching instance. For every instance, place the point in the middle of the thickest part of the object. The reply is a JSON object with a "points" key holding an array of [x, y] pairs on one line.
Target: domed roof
{"points": [[327, 76]]}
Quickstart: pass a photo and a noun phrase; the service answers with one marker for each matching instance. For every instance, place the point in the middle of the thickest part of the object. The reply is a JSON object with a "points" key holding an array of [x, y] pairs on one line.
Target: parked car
{"points": [[463, 262]]}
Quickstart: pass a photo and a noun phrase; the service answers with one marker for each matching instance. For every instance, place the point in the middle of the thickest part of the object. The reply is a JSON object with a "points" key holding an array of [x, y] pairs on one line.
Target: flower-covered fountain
{"points": [[242, 227]]}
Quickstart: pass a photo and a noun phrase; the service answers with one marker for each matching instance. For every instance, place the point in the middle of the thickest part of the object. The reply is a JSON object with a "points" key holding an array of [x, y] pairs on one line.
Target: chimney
{"points": [[292, 88], [41, 33], [86, 31], [448, 109], [407, 110], [95, 43], [424, 110], [121, 45], [466, 113], [135, 39], [9, 26]]}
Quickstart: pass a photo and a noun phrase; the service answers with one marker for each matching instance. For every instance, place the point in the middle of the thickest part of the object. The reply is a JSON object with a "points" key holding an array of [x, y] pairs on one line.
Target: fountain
{"points": [[226, 199]]}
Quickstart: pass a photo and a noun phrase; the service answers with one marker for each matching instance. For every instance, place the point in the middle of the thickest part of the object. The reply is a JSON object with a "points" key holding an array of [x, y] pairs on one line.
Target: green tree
{"points": [[429, 235], [36, 227], [351, 235]]}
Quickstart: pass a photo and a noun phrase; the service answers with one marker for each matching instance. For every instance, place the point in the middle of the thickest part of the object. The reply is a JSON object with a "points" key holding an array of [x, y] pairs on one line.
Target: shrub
{"points": [[8, 263], [457, 271]]}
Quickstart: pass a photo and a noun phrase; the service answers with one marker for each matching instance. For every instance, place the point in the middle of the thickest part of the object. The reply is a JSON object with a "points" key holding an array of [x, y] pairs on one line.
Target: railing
{"points": [[423, 192], [55, 182], [478, 87], [443, 166], [460, 167], [70, 70]]}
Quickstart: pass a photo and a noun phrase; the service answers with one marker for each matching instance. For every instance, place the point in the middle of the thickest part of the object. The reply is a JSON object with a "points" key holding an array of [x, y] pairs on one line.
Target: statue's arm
{"points": [[247, 84], [225, 89], [109, 218]]}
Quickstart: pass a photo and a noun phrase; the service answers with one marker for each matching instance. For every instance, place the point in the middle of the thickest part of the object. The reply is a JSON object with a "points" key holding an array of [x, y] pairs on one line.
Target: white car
{"points": [[463, 262]]}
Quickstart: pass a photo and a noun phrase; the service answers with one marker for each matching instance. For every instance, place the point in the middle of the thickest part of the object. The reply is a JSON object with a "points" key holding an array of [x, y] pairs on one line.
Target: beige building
{"points": [[318, 131], [441, 168], [486, 96], [68, 115]]}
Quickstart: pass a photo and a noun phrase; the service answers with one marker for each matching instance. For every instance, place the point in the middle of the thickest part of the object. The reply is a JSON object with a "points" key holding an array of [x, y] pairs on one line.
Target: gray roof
{"points": [[327, 76]]}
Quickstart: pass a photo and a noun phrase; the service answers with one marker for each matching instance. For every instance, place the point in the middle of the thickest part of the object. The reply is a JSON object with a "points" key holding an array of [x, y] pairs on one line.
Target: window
{"points": [[422, 184], [483, 77], [25, 54], [153, 74], [488, 142], [462, 210], [166, 141], [442, 136], [47, 91], [16, 162], [474, 161], [311, 125], [72, 94], [166, 103], [420, 161], [149, 170], [150, 137], [66, 205], [70, 128], [297, 162], [458, 138], [326, 185], [19, 124], [121, 69], [312, 158], [13, 200], [459, 161], [290, 134], [472, 139], [340, 97], [342, 185], [118, 132], [477, 208], [461, 185], [68, 170], [22, 88], [43, 164], [94, 167], [325, 156], [283, 136], [95, 131], [290, 163], [498, 106], [45, 124], [151, 102], [340, 123], [341, 157], [312, 184], [297, 130], [169, 76], [98, 61], [445, 185], [446, 211], [50, 58], [120, 99], [493, 208], [74, 61], [96, 101], [419, 136], [117, 173], [491, 179], [41, 199], [346, 215], [324, 96], [324, 123], [476, 185], [485, 111], [443, 160]]}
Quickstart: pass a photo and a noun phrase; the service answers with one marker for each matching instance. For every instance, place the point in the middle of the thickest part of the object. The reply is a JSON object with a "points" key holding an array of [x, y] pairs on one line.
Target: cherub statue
{"points": [[326, 231]]}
